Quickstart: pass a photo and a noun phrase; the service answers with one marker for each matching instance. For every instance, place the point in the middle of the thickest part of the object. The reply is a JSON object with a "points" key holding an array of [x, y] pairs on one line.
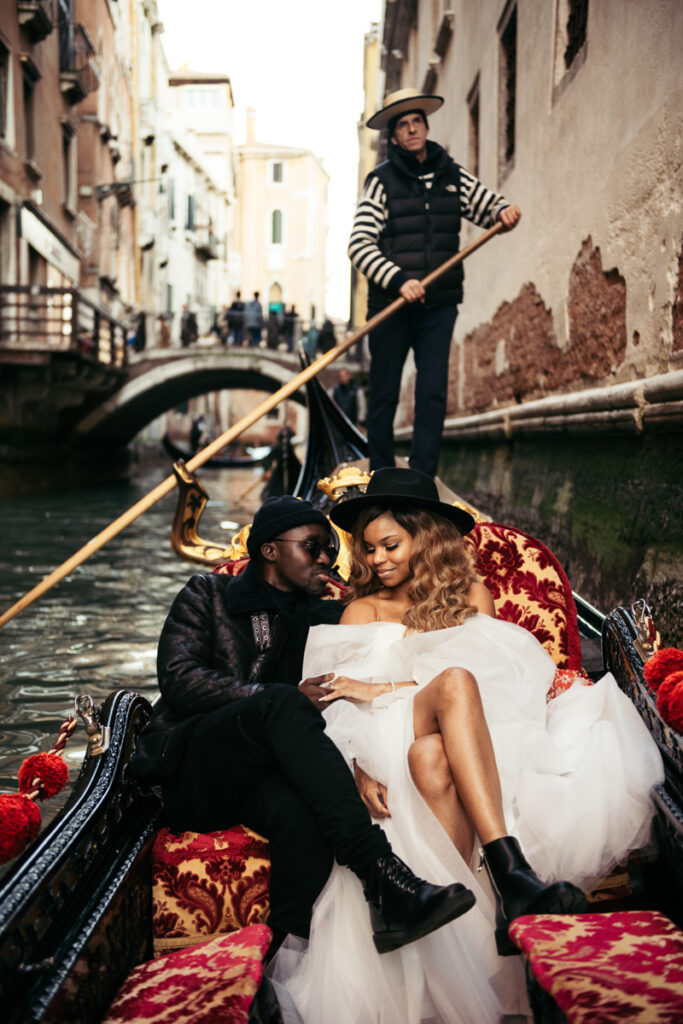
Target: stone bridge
{"points": [[158, 380]]}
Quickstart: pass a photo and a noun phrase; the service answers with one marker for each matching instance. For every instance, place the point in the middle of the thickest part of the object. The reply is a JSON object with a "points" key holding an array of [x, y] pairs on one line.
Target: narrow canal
{"points": [[98, 629]]}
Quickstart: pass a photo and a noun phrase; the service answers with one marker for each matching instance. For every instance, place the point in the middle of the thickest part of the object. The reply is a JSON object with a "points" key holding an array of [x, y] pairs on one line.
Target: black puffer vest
{"points": [[423, 227]]}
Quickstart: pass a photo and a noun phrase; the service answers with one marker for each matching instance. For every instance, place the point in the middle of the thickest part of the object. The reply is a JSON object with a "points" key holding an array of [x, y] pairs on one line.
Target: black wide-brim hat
{"points": [[405, 489]]}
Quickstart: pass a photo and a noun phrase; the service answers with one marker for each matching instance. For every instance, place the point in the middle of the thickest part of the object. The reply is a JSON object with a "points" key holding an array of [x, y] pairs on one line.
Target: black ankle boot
{"points": [[518, 890], [403, 907]]}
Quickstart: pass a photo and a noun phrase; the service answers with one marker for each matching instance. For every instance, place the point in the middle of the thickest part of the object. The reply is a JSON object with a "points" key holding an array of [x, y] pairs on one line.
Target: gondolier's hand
{"points": [[315, 688], [509, 217], [412, 290], [372, 793]]}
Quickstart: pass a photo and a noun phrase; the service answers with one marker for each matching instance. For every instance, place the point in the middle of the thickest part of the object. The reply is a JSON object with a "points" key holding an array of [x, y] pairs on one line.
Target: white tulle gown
{"points": [[575, 773]]}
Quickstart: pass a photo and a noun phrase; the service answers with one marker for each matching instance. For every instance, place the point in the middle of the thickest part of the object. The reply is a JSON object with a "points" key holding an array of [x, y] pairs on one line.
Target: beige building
{"points": [[368, 153], [282, 226], [574, 110]]}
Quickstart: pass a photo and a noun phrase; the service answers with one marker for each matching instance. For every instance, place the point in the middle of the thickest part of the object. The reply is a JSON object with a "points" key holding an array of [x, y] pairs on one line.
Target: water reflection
{"points": [[98, 629]]}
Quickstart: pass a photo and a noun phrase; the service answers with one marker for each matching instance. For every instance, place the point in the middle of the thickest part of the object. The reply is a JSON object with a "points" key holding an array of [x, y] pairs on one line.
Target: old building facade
{"points": [[282, 225], [573, 110], [47, 69], [203, 269]]}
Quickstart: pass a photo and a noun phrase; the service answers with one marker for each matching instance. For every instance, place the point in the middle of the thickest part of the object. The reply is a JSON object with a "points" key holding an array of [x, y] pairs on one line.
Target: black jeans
{"points": [[428, 332], [265, 762]]}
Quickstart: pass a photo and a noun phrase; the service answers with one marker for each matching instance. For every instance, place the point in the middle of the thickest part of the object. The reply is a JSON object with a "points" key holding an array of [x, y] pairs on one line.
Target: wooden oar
{"points": [[167, 485]]}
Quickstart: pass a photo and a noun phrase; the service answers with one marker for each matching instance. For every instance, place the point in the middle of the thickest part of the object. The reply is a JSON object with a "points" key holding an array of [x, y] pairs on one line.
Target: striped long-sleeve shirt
{"points": [[477, 204]]}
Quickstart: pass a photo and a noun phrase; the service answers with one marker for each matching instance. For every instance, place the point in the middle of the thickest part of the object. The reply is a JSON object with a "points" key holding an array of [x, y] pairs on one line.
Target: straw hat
{"points": [[400, 488], [401, 102]]}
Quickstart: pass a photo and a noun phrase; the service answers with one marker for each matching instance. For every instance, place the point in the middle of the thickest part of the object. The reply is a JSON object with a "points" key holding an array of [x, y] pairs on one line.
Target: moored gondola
{"points": [[255, 456]]}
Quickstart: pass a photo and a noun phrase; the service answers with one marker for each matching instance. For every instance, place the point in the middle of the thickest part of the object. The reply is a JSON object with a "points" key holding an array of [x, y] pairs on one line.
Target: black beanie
{"points": [[276, 516]]}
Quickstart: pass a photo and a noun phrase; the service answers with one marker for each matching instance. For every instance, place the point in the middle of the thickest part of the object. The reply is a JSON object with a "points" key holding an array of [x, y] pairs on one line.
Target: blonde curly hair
{"points": [[440, 562]]}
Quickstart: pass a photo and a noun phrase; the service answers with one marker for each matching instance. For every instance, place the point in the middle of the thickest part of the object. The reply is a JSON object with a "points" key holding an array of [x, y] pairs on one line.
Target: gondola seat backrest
{"points": [[205, 884], [529, 588]]}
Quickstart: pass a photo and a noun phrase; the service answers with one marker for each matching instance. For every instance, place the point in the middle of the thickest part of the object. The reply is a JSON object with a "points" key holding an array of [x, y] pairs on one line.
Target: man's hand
{"points": [[510, 216], [372, 793], [315, 689], [412, 290]]}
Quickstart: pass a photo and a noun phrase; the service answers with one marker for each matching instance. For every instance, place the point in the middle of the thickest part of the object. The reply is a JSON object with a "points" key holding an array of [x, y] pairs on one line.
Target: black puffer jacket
{"points": [[422, 229], [208, 656]]}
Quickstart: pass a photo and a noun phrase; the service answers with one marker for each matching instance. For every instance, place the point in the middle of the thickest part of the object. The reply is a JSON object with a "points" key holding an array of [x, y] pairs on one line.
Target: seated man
{"points": [[234, 741]]}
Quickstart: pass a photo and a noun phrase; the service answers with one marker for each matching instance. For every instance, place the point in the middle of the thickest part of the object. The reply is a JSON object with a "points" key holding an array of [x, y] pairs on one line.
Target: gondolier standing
{"points": [[407, 223]]}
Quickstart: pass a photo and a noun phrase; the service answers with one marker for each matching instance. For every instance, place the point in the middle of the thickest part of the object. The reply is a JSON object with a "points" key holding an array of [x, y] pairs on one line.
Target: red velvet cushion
{"points": [[603, 968], [214, 982]]}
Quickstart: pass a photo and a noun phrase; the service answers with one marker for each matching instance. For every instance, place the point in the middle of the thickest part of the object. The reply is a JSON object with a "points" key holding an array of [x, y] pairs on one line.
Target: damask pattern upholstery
{"points": [[216, 981], [204, 884], [529, 587], [605, 968]]}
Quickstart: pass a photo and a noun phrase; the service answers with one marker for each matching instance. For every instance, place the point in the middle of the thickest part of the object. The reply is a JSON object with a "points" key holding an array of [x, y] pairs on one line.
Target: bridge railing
{"points": [[60, 319]]}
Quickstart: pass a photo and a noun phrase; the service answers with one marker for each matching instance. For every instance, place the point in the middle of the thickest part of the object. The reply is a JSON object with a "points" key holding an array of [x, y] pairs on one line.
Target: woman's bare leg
{"points": [[451, 705], [432, 776]]}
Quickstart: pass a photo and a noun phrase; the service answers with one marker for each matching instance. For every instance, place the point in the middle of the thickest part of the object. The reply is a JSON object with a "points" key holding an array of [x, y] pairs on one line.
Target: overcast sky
{"points": [[300, 66]]}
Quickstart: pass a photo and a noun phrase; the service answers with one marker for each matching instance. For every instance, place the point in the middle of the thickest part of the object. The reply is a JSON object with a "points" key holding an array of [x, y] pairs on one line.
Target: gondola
{"points": [[256, 456], [76, 907]]}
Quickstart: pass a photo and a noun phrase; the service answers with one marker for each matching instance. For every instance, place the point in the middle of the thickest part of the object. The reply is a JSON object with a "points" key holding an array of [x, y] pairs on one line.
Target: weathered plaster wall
{"points": [[517, 355]]}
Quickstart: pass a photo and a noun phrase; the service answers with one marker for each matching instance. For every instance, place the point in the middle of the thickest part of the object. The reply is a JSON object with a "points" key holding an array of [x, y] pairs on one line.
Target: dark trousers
{"points": [[265, 762], [428, 332]]}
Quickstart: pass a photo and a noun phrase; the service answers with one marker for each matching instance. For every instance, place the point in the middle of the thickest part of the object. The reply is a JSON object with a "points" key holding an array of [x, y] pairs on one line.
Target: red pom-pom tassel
{"points": [[19, 824], [49, 769], [661, 664], [670, 700]]}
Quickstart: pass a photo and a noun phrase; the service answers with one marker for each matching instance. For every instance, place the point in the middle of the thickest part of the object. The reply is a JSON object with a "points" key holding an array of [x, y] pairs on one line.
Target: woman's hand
{"points": [[353, 690], [372, 793]]}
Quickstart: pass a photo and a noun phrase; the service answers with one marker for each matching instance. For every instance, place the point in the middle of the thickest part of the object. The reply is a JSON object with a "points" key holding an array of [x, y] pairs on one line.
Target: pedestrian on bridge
{"points": [[189, 331], [253, 320], [407, 223], [235, 318]]}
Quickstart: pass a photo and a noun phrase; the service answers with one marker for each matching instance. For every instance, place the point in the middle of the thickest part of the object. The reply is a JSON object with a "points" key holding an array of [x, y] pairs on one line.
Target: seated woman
{"points": [[441, 708]]}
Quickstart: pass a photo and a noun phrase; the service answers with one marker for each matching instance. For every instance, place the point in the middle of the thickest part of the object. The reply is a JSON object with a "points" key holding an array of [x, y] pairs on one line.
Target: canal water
{"points": [[98, 629]]}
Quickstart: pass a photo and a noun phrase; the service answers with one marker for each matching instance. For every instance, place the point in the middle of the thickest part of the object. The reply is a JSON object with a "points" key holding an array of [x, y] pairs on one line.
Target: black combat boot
{"points": [[518, 890], [403, 907]]}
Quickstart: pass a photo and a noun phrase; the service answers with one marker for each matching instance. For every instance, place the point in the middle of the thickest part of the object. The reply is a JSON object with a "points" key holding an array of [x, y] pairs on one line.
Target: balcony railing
{"points": [[37, 18], [206, 243], [78, 75], [59, 320]]}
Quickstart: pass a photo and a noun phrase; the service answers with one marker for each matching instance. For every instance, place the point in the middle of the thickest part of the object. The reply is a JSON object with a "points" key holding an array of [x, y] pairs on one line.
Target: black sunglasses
{"points": [[314, 547]]}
